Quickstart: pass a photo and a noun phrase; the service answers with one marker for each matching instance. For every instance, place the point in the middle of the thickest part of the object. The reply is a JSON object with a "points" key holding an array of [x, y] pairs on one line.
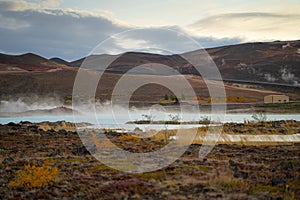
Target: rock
{"points": [[231, 163], [25, 122], [137, 130], [80, 151], [54, 153], [209, 189], [289, 176], [239, 174], [51, 131], [13, 124], [32, 128], [286, 165], [8, 160], [62, 131], [278, 181], [188, 152]]}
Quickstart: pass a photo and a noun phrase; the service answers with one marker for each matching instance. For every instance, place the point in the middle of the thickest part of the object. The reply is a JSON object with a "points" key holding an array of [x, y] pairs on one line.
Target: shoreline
{"points": [[80, 175]]}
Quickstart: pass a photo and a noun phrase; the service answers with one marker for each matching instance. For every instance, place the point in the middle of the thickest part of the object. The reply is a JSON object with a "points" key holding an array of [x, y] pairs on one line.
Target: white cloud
{"points": [[11, 23], [51, 3], [16, 5], [72, 34], [252, 26], [67, 34], [163, 40], [20, 5]]}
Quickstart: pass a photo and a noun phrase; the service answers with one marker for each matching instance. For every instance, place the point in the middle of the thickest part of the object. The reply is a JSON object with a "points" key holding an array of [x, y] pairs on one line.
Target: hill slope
{"points": [[28, 62], [275, 62]]}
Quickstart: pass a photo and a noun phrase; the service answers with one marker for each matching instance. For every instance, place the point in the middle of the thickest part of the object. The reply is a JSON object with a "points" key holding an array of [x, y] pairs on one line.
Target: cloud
{"points": [[71, 34], [11, 23], [51, 3], [251, 26], [20, 5], [67, 34], [162, 40], [16, 5]]}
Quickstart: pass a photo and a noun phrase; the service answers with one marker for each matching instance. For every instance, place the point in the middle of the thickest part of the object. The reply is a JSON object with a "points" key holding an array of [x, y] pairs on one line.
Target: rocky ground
{"points": [[228, 172]]}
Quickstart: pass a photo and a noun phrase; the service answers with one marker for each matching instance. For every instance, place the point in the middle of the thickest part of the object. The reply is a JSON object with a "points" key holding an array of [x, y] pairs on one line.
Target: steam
{"points": [[122, 114], [106, 112], [21, 105], [269, 77], [286, 75]]}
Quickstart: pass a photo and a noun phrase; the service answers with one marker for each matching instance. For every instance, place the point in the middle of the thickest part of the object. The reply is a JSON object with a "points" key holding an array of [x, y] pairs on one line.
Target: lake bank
{"points": [[229, 171]]}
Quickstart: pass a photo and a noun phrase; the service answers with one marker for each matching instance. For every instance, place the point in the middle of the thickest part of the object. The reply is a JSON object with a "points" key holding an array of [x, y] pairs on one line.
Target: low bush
{"points": [[129, 138], [33, 176]]}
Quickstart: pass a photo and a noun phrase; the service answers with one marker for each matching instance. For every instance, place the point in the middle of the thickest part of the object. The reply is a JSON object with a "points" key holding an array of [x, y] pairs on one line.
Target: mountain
{"points": [[28, 62], [273, 62], [269, 62], [251, 70], [26, 59], [60, 61]]}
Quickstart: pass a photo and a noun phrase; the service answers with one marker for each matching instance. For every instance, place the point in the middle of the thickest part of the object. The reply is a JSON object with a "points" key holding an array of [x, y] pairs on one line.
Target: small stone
{"points": [[80, 151], [54, 153], [8, 160], [231, 163], [278, 181]]}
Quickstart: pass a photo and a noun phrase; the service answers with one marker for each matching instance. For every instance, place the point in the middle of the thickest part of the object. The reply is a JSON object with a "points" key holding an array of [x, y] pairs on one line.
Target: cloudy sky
{"points": [[71, 29]]}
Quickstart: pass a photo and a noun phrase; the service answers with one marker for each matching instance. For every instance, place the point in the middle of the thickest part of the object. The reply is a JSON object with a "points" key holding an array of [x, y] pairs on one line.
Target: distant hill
{"points": [[274, 62], [28, 62], [240, 65], [270, 62], [60, 61], [26, 59]]}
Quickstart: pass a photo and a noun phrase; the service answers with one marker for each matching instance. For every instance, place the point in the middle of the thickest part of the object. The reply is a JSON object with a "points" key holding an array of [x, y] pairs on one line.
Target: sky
{"points": [[71, 29]]}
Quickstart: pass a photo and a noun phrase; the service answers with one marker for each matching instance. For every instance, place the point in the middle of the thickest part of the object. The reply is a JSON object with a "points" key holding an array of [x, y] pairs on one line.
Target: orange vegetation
{"points": [[33, 176], [230, 99], [101, 144], [129, 138]]}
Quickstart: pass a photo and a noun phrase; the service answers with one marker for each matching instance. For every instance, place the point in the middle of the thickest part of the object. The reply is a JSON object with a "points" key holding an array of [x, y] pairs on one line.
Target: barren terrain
{"points": [[230, 171]]}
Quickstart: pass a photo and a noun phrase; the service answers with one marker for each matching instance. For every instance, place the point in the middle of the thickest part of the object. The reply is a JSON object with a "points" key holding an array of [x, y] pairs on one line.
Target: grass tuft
{"points": [[33, 176]]}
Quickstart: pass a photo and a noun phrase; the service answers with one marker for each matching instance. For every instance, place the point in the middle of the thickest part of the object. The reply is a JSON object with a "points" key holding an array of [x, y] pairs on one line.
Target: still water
{"points": [[119, 121]]}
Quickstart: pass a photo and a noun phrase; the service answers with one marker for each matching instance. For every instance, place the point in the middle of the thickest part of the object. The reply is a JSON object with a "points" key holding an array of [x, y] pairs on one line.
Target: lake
{"points": [[112, 121]]}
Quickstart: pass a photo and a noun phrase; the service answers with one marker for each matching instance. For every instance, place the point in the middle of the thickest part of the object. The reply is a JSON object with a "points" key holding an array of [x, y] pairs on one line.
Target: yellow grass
{"points": [[33, 176]]}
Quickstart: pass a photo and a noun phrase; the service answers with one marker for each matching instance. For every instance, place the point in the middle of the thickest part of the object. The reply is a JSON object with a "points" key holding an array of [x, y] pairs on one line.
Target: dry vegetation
{"points": [[33, 176], [228, 172]]}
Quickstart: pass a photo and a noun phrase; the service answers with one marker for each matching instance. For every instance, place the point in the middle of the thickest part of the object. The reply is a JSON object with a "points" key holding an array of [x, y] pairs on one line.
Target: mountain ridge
{"points": [[269, 62]]}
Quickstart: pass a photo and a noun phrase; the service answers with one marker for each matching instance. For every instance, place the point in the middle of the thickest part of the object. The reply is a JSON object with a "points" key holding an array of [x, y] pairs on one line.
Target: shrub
{"points": [[174, 98], [100, 144], [68, 101], [198, 98], [129, 138], [259, 117], [148, 117], [204, 120], [182, 97], [228, 183], [33, 176], [174, 118], [166, 97]]}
